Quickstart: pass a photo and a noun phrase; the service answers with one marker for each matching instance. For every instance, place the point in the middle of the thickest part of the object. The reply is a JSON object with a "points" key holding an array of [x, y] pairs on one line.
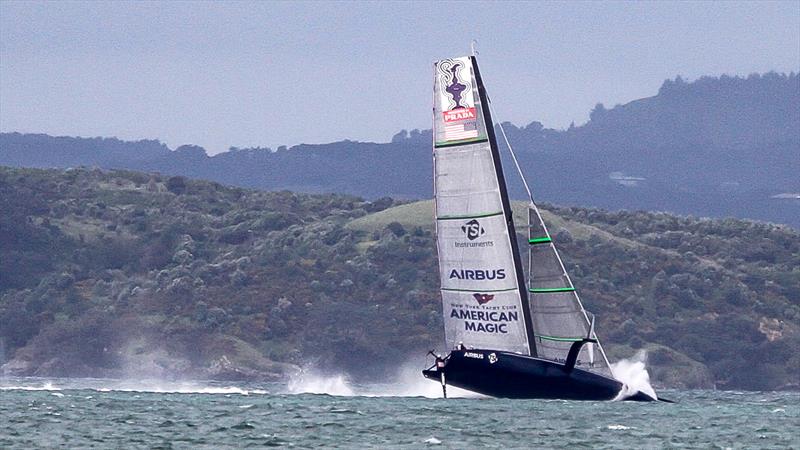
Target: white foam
{"points": [[48, 386], [179, 389], [408, 382], [310, 382], [144, 386], [432, 441], [633, 375], [618, 427]]}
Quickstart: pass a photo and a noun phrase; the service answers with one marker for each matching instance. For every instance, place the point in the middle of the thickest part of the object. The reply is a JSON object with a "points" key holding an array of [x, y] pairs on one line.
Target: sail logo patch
{"points": [[457, 115], [483, 298], [485, 321], [473, 229], [455, 84], [478, 274], [460, 130]]}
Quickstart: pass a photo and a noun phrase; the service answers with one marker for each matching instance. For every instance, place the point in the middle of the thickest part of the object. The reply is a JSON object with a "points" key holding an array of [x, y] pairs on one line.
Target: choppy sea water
{"points": [[124, 414]]}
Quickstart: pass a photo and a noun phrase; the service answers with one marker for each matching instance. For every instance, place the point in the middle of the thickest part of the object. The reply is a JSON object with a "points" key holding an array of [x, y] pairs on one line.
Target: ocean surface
{"points": [[49, 413]]}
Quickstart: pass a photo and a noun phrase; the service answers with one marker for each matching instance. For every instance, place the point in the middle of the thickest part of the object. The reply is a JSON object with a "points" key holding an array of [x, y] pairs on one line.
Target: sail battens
{"points": [[479, 266], [470, 216], [479, 290], [457, 143], [457, 194], [557, 312], [558, 339], [551, 290]]}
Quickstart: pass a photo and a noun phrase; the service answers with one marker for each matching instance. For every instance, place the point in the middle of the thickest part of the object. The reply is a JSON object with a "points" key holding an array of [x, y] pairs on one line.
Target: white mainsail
{"points": [[483, 304]]}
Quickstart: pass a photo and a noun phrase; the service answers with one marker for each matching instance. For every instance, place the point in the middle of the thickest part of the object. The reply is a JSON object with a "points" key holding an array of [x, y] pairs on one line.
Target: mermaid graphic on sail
{"points": [[455, 88]]}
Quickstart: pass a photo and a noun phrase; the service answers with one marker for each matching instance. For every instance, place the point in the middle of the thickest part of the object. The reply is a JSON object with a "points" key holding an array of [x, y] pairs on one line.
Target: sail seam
{"points": [[481, 290], [478, 216], [558, 339], [551, 290], [458, 143]]}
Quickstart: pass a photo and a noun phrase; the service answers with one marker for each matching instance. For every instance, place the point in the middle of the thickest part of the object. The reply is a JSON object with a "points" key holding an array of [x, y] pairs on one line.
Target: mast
{"points": [[484, 298], [509, 213], [553, 305]]}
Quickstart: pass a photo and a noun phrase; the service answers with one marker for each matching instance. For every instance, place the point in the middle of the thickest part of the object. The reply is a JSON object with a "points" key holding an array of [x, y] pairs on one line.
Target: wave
{"points": [[184, 389], [153, 386], [407, 382], [47, 386]]}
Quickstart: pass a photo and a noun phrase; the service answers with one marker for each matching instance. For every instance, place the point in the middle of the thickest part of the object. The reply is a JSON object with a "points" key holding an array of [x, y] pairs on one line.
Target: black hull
{"points": [[509, 375]]}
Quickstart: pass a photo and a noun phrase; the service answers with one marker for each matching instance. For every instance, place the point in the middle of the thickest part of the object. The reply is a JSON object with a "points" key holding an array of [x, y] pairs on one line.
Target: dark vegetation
{"points": [[116, 273], [715, 147]]}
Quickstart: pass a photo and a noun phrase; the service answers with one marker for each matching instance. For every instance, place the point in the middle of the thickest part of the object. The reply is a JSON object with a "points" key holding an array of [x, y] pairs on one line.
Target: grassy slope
{"points": [[420, 214]]}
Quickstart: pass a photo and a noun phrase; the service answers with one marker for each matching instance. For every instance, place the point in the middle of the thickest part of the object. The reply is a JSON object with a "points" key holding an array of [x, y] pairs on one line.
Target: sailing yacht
{"points": [[509, 336]]}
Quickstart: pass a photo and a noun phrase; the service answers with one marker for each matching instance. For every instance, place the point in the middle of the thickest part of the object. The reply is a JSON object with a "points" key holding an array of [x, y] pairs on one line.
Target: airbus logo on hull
{"points": [[478, 274]]}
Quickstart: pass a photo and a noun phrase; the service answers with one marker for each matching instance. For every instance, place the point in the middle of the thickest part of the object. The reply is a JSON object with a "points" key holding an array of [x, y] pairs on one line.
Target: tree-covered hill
{"points": [[717, 147], [115, 273]]}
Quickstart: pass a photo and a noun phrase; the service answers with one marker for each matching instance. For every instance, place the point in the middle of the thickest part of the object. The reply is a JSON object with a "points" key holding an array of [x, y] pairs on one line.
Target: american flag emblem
{"points": [[460, 123]]}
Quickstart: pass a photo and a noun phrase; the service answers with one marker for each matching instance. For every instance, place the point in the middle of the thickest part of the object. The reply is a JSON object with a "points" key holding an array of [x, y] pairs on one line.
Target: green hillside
{"points": [[113, 273], [420, 214]]}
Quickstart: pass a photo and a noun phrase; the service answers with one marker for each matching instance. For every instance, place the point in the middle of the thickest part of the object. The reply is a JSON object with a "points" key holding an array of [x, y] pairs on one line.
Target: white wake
{"points": [[139, 386], [408, 382], [178, 388], [48, 386]]}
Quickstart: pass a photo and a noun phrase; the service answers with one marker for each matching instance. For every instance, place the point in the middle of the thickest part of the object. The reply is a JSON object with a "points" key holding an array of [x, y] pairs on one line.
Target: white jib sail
{"points": [[480, 292]]}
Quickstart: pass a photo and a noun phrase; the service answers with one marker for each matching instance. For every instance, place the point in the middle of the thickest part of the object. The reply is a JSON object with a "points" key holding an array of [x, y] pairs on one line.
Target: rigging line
{"points": [[539, 215], [569, 279], [511, 150]]}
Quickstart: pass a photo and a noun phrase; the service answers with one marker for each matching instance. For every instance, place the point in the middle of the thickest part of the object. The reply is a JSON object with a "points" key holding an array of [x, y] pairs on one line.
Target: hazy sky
{"points": [[265, 74]]}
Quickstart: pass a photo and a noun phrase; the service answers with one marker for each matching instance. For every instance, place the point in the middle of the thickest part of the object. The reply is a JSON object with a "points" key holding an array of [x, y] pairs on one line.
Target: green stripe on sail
{"points": [[482, 290], [558, 339], [477, 216], [539, 240], [551, 290], [461, 142]]}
